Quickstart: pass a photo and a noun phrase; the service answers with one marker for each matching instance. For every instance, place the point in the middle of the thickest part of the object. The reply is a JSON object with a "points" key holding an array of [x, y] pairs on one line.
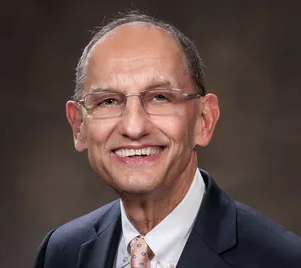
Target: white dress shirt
{"points": [[168, 238]]}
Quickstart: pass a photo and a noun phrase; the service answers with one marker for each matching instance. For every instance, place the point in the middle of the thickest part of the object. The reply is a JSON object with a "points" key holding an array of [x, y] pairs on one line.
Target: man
{"points": [[139, 109]]}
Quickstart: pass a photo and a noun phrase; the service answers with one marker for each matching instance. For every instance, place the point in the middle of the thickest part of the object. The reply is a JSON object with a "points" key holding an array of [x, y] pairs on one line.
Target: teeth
{"points": [[134, 152]]}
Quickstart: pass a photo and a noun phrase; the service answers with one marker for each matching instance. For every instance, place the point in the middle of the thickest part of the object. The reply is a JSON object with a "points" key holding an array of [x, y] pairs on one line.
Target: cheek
{"points": [[98, 132], [179, 130]]}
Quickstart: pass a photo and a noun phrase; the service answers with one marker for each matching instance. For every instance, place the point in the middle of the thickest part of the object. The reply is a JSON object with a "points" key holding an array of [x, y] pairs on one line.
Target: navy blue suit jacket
{"points": [[225, 234]]}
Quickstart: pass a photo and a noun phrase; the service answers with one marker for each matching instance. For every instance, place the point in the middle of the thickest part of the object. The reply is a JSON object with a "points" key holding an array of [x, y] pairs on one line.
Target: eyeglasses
{"points": [[158, 101]]}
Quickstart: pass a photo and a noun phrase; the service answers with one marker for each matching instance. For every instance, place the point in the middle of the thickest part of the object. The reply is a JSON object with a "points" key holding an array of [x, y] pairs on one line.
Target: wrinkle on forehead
{"points": [[150, 83], [131, 54]]}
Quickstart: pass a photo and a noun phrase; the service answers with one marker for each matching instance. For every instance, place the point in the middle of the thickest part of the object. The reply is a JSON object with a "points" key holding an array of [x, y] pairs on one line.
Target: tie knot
{"points": [[139, 252]]}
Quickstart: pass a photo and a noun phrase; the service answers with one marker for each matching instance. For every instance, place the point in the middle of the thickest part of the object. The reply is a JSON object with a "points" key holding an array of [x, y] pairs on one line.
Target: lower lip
{"points": [[139, 160]]}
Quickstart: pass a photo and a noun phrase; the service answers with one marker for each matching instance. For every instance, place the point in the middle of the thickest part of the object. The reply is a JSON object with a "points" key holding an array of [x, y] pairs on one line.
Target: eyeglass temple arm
{"points": [[193, 95]]}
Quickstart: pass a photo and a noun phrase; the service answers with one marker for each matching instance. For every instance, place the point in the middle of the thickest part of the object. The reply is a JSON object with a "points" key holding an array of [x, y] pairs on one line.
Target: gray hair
{"points": [[194, 61]]}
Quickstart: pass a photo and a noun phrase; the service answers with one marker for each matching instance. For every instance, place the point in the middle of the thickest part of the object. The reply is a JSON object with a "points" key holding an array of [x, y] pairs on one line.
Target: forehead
{"points": [[134, 52]]}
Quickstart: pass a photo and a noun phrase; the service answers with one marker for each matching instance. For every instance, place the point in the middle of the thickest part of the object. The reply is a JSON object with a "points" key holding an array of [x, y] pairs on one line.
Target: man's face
{"points": [[130, 59]]}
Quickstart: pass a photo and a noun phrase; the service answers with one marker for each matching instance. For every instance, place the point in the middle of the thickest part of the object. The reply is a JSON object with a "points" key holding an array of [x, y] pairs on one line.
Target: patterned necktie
{"points": [[139, 253]]}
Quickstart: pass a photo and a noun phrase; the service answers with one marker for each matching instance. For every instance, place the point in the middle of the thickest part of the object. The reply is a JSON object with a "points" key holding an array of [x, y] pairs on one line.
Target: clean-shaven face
{"points": [[137, 152]]}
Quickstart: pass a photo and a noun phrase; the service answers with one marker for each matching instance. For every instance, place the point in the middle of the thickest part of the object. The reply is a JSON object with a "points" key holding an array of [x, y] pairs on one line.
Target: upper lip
{"points": [[137, 147]]}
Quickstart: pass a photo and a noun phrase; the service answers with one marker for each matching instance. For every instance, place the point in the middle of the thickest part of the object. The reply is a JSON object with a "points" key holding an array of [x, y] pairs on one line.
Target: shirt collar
{"points": [[167, 234], [129, 232]]}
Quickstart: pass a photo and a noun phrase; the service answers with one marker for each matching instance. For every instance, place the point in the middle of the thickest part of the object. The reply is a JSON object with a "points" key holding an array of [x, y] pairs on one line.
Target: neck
{"points": [[145, 212]]}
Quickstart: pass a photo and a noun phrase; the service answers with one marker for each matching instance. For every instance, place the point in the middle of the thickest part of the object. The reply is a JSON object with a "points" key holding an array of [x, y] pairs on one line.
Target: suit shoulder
{"points": [[61, 247], [84, 227], [266, 236]]}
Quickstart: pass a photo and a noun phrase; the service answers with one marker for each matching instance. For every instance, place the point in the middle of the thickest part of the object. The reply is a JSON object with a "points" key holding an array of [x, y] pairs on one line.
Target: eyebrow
{"points": [[158, 81], [101, 89], [155, 82]]}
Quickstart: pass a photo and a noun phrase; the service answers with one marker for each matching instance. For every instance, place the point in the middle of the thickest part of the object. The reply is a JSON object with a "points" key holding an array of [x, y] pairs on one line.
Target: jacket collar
{"points": [[100, 251], [216, 220], [214, 231]]}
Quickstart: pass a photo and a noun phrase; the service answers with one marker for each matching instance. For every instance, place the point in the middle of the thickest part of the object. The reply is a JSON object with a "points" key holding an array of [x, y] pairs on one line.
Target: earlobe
{"points": [[207, 119], [74, 117]]}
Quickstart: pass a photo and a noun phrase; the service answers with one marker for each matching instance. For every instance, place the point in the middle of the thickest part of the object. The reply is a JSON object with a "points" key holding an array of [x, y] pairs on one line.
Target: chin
{"points": [[137, 185]]}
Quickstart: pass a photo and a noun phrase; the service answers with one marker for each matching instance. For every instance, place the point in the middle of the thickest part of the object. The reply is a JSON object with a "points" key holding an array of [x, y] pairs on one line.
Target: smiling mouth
{"points": [[138, 153]]}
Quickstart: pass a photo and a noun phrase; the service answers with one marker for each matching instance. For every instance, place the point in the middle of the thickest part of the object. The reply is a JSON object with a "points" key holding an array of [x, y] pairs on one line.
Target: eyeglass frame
{"points": [[185, 96]]}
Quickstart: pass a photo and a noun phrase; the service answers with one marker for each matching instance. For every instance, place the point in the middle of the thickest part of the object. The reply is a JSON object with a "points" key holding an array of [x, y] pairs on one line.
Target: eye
{"points": [[160, 97], [107, 100]]}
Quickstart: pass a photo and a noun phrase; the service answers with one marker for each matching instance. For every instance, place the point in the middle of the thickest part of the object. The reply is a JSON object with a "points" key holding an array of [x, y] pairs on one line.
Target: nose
{"points": [[135, 122]]}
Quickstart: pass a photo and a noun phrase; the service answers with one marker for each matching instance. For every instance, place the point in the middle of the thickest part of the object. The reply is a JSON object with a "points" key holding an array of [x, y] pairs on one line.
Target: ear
{"points": [[74, 116], [207, 119]]}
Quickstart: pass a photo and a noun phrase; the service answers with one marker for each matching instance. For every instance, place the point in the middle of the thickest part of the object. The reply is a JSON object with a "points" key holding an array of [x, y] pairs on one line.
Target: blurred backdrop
{"points": [[252, 53]]}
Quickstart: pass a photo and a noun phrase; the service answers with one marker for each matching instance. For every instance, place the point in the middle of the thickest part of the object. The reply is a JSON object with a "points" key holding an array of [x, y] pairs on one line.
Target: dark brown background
{"points": [[252, 53]]}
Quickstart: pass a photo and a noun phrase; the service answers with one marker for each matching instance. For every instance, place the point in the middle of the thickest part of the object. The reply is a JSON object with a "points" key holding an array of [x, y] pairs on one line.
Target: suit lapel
{"points": [[199, 255], [214, 230], [100, 252]]}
